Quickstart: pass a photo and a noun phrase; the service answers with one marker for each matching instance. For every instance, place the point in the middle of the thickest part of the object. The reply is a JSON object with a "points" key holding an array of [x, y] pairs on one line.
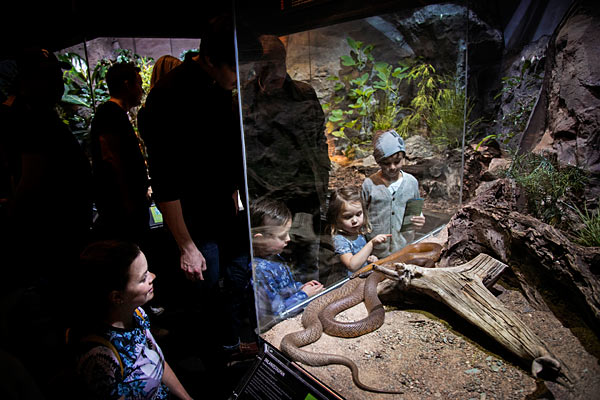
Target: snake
{"points": [[319, 315]]}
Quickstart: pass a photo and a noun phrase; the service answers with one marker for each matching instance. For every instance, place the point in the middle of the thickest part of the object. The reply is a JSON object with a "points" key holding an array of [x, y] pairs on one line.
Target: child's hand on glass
{"points": [[312, 287], [418, 221], [381, 238]]}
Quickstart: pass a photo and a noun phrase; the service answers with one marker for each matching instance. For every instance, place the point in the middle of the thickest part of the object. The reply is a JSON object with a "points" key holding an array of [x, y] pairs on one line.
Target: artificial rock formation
{"points": [[541, 256], [566, 120]]}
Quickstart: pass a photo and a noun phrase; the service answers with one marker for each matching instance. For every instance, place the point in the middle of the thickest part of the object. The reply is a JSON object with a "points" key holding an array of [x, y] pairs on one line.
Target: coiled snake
{"points": [[318, 317]]}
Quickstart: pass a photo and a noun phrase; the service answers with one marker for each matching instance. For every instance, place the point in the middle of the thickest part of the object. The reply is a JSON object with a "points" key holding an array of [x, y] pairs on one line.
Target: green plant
{"points": [[515, 121], [369, 96], [589, 235], [81, 87], [146, 64], [484, 140], [366, 96], [184, 53], [427, 84], [84, 90], [447, 114], [545, 183]]}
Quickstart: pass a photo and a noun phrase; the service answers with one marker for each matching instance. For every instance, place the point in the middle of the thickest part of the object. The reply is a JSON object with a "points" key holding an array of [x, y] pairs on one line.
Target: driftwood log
{"points": [[540, 256], [464, 289]]}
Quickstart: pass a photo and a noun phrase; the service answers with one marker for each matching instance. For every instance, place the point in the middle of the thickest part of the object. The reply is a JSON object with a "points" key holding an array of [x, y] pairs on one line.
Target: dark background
{"points": [[58, 24]]}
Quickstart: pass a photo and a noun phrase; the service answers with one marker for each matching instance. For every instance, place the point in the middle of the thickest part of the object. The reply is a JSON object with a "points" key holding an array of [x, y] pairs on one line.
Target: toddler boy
{"points": [[276, 288]]}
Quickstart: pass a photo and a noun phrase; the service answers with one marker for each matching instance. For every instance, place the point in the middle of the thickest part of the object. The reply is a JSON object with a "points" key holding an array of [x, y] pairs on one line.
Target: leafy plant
{"points": [[81, 87], [370, 96], [515, 121], [484, 140], [589, 235], [365, 97], [184, 53], [545, 183], [427, 84], [84, 89], [360, 57], [447, 114], [146, 65]]}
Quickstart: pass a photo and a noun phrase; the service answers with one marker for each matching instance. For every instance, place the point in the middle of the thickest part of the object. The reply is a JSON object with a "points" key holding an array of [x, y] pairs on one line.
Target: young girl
{"points": [[386, 193], [349, 224]]}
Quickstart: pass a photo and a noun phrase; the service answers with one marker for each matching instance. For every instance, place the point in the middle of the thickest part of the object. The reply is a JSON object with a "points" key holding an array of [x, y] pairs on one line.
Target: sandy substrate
{"points": [[421, 354]]}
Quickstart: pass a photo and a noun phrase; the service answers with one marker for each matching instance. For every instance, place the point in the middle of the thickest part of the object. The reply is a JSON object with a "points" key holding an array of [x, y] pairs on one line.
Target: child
{"points": [[386, 192], [277, 289], [348, 224]]}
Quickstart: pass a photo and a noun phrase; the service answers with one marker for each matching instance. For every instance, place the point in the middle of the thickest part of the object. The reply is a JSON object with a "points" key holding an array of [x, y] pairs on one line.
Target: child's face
{"points": [[351, 218], [391, 166], [273, 241]]}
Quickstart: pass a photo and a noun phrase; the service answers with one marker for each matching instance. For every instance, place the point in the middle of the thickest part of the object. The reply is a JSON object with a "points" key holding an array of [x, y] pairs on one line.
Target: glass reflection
{"points": [[286, 150], [347, 112]]}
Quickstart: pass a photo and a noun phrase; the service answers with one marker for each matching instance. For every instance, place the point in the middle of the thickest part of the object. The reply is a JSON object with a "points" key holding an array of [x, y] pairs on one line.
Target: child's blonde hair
{"points": [[337, 202]]}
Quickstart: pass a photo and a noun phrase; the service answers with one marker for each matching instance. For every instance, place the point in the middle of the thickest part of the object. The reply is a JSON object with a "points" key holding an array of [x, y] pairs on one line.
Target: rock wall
{"points": [[439, 33], [543, 257], [566, 120]]}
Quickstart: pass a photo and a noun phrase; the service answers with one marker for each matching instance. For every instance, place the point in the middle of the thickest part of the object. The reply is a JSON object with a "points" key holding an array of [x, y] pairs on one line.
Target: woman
{"points": [[117, 356]]}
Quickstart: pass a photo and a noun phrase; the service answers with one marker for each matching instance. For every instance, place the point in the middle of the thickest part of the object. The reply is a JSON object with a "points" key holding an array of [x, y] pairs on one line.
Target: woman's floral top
{"points": [[141, 358]]}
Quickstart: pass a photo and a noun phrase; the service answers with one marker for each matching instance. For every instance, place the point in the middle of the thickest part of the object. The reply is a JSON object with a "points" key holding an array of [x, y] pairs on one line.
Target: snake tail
{"points": [[322, 359]]}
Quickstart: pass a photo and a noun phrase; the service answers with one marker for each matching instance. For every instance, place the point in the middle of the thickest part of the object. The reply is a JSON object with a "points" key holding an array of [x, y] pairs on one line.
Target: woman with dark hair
{"points": [[117, 356]]}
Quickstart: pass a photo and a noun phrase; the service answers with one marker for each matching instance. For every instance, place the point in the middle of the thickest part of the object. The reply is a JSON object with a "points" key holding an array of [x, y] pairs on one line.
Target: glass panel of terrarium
{"points": [[311, 105]]}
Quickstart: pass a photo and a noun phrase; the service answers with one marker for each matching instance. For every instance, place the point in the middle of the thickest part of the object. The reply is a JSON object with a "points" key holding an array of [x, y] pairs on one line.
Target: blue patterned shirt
{"points": [[276, 287]]}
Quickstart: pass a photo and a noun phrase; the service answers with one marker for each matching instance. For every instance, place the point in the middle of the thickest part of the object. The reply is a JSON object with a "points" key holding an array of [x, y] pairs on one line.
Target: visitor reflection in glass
{"points": [[386, 194], [276, 288], [286, 152]]}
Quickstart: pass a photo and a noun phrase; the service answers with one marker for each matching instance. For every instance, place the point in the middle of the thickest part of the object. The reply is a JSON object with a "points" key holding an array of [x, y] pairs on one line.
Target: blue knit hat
{"points": [[387, 144]]}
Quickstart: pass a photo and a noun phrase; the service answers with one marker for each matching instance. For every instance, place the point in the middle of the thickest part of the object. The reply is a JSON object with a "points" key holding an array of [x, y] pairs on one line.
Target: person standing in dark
{"points": [[49, 214], [120, 175], [50, 211], [286, 151], [191, 132]]}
